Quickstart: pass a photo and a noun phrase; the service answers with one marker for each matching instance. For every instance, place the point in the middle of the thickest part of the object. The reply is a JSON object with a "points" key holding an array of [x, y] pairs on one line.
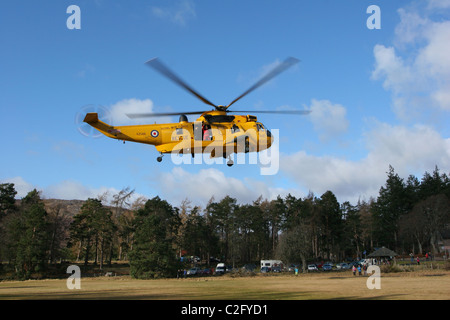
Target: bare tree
{"points": [[120, 200]]}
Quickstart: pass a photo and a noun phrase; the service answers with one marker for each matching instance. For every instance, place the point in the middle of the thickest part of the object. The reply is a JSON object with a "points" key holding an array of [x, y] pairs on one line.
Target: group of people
{"points": [[428, 256], [360, 269]]}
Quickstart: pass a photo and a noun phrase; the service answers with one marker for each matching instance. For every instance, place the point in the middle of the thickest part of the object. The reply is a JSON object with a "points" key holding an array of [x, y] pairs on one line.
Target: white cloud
{"points": [[119, 110], [69, 190], [328, 119], [178, 14], [397, 76], [438, 4], [20, 185], [419, 79], [434, 63], [199, 187], [348, 180], [411, 28], [409, 151], [117, 113], [65, 190]]}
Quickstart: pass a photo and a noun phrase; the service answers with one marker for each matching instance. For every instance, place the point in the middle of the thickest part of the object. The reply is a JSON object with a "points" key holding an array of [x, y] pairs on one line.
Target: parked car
{"points": [[265, 269], [220, 268], [194, 271], [206, 271], [276, 269], [342, 266], [327, 267], [312, 267]]}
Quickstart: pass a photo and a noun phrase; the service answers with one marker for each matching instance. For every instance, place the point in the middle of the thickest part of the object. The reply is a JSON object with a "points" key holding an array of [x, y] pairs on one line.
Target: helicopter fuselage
{"points": [[213, 132]]}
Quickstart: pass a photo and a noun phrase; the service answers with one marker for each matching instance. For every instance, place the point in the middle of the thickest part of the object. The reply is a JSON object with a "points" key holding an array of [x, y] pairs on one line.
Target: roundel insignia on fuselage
{"points": [[154, 133]]}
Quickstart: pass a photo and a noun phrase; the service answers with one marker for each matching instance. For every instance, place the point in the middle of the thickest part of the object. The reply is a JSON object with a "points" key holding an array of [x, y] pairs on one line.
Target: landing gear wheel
{"points": [[230, 162], [159, 159]]}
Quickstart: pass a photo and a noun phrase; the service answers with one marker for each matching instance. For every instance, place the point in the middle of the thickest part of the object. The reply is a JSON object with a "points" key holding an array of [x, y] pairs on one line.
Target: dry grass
{"points": [[424, 285]]}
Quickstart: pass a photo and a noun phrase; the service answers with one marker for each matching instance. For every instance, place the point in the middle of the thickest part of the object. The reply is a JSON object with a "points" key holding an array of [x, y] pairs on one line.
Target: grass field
{"points": [[423, 285]]}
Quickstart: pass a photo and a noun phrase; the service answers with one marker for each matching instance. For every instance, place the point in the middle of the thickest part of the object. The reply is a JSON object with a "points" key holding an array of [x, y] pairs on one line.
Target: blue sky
{"points": [[378, 97]]}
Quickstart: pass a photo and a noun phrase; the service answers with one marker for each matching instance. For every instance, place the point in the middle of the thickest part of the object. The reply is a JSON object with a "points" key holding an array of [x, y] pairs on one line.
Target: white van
{"points": [[271, 264], [220, 268]]}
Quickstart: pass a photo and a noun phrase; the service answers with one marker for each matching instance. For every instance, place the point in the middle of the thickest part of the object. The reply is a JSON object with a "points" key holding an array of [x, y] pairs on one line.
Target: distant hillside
{"points": [[67, 207]]}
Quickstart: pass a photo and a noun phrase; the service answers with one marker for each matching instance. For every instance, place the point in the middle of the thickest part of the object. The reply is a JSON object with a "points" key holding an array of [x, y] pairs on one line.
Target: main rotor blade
{"points": [[165, 71], [277, 70], [302, 112], [148, 115]]}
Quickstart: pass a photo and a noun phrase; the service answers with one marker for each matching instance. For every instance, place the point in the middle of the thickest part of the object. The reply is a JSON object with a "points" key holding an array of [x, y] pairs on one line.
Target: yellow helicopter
{"points": [[215, 132]]}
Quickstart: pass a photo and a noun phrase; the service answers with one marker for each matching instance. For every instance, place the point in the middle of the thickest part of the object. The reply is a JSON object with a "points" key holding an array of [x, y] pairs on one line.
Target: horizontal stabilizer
{"points": [[106, 129], [91, 118]]}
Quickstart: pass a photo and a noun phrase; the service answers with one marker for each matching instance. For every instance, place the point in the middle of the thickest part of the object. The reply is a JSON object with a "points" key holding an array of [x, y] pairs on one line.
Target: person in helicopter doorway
{"points": [[206, 129]]}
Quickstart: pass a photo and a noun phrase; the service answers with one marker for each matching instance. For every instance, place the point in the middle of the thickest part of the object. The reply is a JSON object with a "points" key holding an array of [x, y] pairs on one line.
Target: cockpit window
{"points": [[218, 118], [259, 126]]}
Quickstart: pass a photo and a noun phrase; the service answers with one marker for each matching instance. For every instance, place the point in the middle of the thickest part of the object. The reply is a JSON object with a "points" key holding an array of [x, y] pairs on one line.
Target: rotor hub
{"points": [[221, 108]]}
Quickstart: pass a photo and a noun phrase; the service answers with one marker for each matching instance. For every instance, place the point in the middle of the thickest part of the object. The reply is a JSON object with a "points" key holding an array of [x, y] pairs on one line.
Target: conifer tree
{"points": [[153, 254], [28, 236]]}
